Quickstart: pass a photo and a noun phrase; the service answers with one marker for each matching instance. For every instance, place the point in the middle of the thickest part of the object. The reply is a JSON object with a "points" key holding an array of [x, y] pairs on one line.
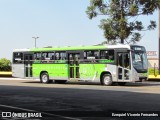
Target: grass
{"points": [[153, 72]]}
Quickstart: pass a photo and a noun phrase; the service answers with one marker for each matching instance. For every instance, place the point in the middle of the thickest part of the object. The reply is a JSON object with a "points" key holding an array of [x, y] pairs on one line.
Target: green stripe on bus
{"points": [[69, 48]]}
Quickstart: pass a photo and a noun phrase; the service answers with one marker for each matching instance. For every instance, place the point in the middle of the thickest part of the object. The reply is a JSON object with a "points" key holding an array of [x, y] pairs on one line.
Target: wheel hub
{"points": [[44, 78]]}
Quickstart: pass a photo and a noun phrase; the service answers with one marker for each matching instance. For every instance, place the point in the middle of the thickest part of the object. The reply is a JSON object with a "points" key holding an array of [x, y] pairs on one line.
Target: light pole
{"points": [[35, 40], [159, 43]]}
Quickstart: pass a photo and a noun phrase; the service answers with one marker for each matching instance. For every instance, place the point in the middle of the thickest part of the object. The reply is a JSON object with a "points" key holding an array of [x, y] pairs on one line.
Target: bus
{"points": [[106, 64]]}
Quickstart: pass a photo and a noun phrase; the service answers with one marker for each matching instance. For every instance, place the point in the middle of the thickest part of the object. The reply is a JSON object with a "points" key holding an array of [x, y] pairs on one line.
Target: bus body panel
{"points": [[91, 71], [55, 71], [18, 70], [137, 77], [112, 69]]}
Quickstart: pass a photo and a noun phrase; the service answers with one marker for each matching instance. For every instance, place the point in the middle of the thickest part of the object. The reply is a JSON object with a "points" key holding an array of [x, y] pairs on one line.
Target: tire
{"points": [[60, 81], [121, 83], [106, 80], [44, 78]]}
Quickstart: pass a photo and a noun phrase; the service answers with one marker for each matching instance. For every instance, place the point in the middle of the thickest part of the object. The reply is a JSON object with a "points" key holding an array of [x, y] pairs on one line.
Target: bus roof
{"points": [[94, 47], [21, 50], [98, 47]]}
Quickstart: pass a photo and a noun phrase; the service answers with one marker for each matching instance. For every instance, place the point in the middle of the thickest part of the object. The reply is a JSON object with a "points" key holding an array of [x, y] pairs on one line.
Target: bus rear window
{"points": [[18, 57]]}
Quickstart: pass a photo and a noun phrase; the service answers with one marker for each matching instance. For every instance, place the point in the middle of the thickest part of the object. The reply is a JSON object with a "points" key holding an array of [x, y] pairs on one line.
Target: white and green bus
{"points": [[106, 64]]}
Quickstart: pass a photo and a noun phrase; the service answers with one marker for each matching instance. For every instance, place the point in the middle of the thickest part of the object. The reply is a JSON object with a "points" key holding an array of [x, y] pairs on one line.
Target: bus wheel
{"points": [[45, 78], [106, 80], [121, 83]]}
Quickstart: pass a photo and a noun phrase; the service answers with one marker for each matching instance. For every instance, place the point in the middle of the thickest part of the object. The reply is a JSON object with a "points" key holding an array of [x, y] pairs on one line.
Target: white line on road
{"points": [[29, 110], [7, 78], [10, 78]]}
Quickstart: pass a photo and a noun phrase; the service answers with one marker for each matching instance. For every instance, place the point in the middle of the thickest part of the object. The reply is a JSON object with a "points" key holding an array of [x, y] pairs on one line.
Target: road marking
{"points": [[10, 78], [50, 114]]}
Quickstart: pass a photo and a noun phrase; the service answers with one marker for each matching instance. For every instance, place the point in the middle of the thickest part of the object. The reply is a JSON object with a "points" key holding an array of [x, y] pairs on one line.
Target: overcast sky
{"points": [[56, 23]]}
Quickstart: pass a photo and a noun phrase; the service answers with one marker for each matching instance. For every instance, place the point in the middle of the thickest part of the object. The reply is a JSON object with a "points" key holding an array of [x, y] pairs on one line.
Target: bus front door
{"points": [[28, 64], [74, 60], [124, 67]]}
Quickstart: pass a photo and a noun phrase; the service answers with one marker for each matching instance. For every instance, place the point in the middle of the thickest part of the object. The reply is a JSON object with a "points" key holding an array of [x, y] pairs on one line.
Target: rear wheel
{"points": [[106, 79], [44, 78]]}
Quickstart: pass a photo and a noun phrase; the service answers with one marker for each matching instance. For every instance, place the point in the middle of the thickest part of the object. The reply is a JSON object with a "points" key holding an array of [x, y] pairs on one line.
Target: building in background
{"points": [[152, 59]]}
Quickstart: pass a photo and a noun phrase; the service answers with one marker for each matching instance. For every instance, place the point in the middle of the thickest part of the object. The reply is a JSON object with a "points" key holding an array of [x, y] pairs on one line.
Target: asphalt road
{"points": [[79, 101]]}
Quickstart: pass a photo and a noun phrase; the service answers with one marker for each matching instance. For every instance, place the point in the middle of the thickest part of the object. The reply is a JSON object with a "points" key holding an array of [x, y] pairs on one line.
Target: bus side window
{"points": [[60, 57], [57, 56], [51, 55], [104, 54], [43, 57], [37, 57], [111, 54], [96, 54], [52, 58], [63, 56], [91, 55], [107, 54], [85, 55]]}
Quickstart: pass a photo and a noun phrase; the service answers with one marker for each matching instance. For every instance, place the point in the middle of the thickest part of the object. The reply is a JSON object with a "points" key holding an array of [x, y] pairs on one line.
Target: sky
{"points": [[56, 23]]}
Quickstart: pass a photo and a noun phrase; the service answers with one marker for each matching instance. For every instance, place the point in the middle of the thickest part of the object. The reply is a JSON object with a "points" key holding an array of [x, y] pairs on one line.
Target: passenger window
{"points": [[47, 57], [91, 54], [37, 56], [51, 56], [57, 57], [61, 56], [107, 54]]}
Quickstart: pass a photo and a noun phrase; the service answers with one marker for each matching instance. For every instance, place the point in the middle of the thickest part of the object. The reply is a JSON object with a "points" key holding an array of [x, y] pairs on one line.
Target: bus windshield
{"points": [[139, 58]]}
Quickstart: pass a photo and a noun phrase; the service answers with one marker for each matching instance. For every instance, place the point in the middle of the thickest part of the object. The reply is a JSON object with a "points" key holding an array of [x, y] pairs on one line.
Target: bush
{"points": [[5, 64], [151, 71]]}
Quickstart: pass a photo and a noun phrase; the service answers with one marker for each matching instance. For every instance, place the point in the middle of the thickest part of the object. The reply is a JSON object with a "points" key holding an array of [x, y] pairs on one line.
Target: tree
{"points": [[5, 65], [122, 22]]}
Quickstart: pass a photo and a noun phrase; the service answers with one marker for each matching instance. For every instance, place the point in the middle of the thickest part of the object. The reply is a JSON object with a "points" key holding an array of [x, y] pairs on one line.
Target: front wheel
{"points": [[106, 79], [44, 78]]}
